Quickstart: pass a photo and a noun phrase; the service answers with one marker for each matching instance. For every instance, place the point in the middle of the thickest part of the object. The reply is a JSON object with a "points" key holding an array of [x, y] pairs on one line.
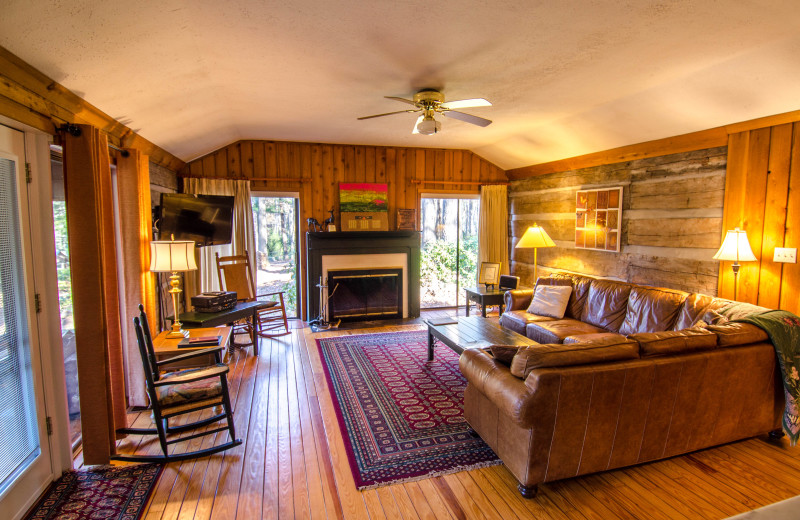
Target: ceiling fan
{"points": [[431, 102]]}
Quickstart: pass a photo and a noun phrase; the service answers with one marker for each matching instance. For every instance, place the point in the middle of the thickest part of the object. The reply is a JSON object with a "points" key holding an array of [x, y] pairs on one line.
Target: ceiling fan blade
{"points": [[401, 99], [416, 123], [467, 118], [386, 114], [466, 103]]}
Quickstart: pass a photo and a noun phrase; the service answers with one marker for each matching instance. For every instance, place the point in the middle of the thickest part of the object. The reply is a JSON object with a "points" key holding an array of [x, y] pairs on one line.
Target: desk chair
{"points": [[178, 393], [235, 274]]}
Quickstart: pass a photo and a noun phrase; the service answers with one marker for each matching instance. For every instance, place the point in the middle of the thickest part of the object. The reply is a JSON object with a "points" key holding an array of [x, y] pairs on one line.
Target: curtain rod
{"points": [[75, 131], [240, 178], [468, 183]]}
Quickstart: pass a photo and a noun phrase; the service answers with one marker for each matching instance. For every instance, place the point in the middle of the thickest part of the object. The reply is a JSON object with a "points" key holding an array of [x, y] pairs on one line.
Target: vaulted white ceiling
{"points": [[565, 77]]}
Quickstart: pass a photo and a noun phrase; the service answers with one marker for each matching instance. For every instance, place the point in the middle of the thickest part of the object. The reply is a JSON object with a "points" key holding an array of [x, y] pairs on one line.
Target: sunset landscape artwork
{"points": [[363, 196]]}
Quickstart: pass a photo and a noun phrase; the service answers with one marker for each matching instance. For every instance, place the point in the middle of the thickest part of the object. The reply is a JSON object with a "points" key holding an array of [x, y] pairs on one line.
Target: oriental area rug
{"points": [[110, 493], [402, 417]]}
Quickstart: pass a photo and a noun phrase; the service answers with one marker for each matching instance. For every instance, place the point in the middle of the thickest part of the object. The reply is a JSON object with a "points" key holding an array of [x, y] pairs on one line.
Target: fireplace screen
{"points": [[365, 294]]}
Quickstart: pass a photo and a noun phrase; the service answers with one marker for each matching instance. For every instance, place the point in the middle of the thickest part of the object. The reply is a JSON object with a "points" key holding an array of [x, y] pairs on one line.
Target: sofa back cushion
{"points": [[606, 303], [667, 343], [580, 289], [561, 355], [693, 308], [651, 309], [550, 300]]}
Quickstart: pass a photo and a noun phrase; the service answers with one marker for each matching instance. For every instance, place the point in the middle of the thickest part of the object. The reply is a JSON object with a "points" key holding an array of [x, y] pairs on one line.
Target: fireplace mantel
{"points": [[319, 244]]}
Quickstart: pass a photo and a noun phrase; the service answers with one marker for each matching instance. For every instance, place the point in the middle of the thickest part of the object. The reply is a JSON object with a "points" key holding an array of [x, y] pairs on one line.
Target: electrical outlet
{"points": [[786, 255]]}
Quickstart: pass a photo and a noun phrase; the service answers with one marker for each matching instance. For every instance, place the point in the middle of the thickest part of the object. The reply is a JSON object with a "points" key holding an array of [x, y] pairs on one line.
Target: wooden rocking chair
{"points": [[178, 393], [235, 274]]}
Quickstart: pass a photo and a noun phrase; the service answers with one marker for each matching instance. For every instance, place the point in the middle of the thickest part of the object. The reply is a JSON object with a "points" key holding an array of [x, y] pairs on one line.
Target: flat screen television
{"points": [[204, 219]]}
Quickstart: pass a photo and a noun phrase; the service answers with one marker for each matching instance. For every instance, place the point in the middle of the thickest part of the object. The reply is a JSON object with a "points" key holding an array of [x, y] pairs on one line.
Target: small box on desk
{"points": [[214, 301]]}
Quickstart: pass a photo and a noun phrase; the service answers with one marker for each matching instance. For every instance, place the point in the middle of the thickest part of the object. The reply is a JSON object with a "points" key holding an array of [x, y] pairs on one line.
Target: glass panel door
{"points": [[449, 250], [24, 450], [275, 225]]}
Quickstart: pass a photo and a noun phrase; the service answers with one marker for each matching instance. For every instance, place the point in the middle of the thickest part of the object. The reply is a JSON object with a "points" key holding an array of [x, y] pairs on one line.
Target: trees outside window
{"points": [[275, 225]]}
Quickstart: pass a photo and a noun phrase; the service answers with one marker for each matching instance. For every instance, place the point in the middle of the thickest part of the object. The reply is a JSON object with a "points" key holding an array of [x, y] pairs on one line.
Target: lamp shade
{"points": [[535, 236], [735, 247], [172, 256]]}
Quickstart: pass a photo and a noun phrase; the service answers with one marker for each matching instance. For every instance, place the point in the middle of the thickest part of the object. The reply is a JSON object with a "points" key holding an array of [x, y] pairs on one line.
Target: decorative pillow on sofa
{"points": [[550, 300], [504, 353]]}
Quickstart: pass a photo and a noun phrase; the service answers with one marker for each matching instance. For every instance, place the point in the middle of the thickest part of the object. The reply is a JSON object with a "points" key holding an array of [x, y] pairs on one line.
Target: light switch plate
{"points": [[786, 255]]}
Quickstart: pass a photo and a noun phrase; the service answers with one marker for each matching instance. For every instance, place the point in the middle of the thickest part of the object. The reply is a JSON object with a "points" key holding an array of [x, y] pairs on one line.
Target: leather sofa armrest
{"points": [[494, 380], [518, 299]]}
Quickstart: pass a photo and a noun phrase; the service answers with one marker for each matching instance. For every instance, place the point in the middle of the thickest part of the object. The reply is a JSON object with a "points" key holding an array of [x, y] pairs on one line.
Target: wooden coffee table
{"points": [[472, 332]]}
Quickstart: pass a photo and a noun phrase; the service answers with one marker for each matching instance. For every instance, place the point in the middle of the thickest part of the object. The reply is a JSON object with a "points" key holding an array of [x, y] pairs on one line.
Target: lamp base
{"points": [[177, 332]]}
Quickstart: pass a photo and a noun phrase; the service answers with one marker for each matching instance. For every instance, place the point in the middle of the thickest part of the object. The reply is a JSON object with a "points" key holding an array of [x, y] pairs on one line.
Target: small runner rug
{"points": [[104, 492], [402, 417]]}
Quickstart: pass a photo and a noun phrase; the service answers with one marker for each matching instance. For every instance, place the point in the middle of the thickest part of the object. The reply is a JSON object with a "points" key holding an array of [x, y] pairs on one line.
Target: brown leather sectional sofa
{"points": [[631, 374]]}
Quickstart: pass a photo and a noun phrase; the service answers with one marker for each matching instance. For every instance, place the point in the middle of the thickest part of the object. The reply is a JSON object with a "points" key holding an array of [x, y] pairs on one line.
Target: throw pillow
{"points": [[504, 353], [550, 300]]}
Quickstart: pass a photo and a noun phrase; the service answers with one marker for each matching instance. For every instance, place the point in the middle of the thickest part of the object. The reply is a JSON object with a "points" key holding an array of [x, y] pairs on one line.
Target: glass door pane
{"points": [[19, 436], [65, 296], [449, 250], [275, 224]]}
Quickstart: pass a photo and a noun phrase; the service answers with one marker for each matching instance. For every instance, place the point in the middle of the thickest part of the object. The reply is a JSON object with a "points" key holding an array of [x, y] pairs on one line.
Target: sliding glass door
{"points": [[275, 224], [449, 248]]}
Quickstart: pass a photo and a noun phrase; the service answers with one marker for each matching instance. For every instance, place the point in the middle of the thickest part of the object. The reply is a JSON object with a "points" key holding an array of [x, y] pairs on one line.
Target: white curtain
{"points": [[493, 226], [205, 279]]}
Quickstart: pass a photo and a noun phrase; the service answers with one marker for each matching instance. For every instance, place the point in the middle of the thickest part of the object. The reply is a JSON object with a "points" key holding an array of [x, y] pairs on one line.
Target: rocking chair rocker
{"points": [[179, 393]]}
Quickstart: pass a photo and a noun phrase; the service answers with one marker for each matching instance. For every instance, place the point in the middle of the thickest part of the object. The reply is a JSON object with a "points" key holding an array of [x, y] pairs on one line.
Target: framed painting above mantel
{"points": [[364, 206], [598, 219]]}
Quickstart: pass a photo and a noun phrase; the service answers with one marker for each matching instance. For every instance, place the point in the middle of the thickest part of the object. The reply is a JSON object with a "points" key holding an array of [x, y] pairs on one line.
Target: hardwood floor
{"points": [[293, 464]]}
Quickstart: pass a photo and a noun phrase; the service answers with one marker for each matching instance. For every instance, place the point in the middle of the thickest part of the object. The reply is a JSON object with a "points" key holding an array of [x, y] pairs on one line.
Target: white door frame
{"points": [[47, 360]]}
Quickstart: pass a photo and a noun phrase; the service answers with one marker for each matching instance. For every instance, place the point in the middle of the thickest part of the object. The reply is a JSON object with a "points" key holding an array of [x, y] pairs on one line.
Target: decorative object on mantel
{"points": [[328, 224], [535, 237], [363, 206], [735, 247], [401, 416], [598, 219], [173, 257], [406, 219], [99, 492], [313, 225]]}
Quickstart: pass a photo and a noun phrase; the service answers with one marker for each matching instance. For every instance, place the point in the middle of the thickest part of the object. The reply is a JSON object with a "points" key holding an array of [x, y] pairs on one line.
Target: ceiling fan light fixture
{"points": [[428, 126]]}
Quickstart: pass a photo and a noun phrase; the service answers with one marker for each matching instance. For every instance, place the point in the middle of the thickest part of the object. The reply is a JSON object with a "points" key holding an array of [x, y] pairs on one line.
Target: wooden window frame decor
{"points": [[489, 273], [598, 219], [364, 206]]}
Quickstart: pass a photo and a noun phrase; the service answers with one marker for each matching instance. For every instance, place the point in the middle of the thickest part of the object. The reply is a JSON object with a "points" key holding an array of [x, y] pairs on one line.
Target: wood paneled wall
{"points": [[671, 228], [315, 171], [763, 198]]}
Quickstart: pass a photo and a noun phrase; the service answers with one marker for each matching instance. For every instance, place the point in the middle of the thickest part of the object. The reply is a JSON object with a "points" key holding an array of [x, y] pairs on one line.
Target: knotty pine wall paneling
{"points": [[763, 198], [671, 227], [314, 170]]}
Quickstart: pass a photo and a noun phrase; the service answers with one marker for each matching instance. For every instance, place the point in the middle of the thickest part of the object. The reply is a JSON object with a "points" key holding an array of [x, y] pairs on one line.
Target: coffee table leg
{"points": [[430, 345], [483, 309]]}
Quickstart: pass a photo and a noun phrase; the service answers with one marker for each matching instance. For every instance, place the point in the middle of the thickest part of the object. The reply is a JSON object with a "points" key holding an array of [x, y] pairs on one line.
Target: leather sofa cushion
{"points": [[560, 355], [580, 289], [555, 331], [694, 306], [734, 333], [670, 342], [583, 338], [504, 353], [518, 320], [517, 299], [651, 309], [606, 303]]}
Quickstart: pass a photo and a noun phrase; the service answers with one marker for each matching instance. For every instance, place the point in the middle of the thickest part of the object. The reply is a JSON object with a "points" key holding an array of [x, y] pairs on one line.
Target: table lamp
{"points": [[535, 237], [173, 256], [735, 247]]}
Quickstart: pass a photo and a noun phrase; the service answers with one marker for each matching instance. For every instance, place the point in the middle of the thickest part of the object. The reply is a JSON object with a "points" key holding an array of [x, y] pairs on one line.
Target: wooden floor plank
{"points": [[293, 463]]}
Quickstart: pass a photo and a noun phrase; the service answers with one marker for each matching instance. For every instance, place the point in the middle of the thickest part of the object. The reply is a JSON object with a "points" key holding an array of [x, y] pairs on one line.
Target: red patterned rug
{"points": [[103, 492], [401, 417]]}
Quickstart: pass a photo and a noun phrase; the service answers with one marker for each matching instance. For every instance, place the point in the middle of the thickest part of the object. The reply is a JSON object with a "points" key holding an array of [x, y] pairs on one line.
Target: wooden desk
{"points": [[168, 347], [196, 320]]}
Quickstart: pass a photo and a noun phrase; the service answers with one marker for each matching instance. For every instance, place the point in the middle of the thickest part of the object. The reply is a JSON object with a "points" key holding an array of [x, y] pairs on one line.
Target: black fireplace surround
{"points": [[319, 244]]}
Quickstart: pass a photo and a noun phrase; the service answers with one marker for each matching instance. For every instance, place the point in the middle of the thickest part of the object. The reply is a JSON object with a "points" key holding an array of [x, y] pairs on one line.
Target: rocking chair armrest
{"points": [[207, 373], [190, 355], [269, 294]]}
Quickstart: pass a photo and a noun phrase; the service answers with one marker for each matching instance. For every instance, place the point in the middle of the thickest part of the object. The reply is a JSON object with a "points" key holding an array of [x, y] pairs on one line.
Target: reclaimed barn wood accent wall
{"points": [[314, 171], [671, 220], [763, 198]]}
